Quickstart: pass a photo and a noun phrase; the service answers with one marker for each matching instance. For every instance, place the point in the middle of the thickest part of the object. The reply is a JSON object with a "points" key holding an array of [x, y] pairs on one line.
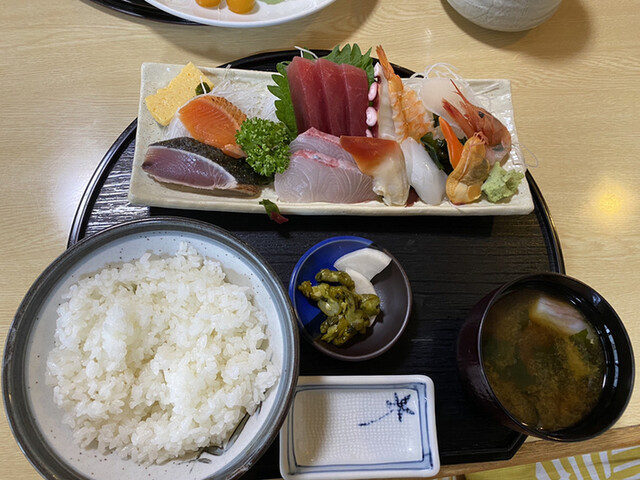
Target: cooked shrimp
{"points": [[465, 182], [410, 116], [477, 119]]}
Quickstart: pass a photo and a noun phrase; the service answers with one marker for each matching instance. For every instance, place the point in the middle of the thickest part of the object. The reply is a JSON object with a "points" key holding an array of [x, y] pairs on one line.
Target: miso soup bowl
{"points": [[619, 373]]}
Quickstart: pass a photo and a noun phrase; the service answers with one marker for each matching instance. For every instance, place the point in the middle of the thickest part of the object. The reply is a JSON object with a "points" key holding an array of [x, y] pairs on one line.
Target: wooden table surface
{"points": [[70, 79]]}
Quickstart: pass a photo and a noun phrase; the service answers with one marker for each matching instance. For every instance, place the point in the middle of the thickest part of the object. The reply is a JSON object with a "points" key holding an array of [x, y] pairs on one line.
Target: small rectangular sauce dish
{"points": [[350, 427]]}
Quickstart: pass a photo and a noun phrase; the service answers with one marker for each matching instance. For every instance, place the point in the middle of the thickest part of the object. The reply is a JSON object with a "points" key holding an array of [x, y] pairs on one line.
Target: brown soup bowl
{"points": [[619, 370]]}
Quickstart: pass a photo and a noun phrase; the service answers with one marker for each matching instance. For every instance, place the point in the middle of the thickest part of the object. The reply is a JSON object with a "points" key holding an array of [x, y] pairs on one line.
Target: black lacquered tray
{"points": [[451, 263], [142, 9]]}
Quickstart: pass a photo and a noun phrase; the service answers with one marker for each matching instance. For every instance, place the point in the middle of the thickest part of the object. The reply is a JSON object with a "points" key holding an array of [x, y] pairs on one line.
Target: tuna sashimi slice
{"points": [[328, 96], [307, 96], [214, 121], [315, 177], [187, 162], [325, 143], [336, 99], [383, 160], [357, 90]]}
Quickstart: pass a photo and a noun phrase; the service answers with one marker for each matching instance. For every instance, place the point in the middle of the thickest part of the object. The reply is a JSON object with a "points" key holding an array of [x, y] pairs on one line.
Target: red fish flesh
{"points": [[330, 97]]}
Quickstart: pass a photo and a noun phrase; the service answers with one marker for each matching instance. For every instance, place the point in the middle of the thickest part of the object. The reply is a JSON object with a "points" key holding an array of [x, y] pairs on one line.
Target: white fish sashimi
{"points": [[315, 177], [424, 176], [325, 143]]}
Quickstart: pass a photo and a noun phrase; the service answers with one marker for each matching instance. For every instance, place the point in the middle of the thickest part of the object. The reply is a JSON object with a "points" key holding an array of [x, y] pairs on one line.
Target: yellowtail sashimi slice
{"points": [[367, 261], [362, 286]]}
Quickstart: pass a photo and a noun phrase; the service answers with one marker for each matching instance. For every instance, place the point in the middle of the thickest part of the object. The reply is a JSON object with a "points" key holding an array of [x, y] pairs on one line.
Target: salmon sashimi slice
{"points": [[214, 121], [189, 163], [383, 161]]}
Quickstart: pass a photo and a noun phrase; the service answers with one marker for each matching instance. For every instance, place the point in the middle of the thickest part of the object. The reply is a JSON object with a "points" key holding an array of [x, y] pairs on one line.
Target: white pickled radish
{"points": [[367, 261]]}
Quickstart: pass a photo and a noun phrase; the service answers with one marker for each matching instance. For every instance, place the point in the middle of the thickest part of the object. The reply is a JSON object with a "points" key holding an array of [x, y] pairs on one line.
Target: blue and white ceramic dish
{"points": [[350, 427], [391, 285]]}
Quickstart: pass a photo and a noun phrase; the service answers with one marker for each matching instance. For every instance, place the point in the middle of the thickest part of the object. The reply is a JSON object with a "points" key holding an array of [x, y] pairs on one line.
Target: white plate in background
{"points": [[263, 14]]}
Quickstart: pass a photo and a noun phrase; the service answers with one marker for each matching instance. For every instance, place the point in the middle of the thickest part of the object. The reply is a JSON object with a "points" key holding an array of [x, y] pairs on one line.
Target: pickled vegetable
{"points": [[348, 313]]}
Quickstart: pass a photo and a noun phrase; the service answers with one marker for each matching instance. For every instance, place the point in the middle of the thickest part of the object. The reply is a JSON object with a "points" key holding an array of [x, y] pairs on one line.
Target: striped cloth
{"points": [[621, 464]]}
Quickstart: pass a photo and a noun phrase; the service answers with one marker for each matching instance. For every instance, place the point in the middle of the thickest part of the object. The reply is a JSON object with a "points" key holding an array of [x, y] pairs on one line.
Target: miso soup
{"points": [[543, 359]]}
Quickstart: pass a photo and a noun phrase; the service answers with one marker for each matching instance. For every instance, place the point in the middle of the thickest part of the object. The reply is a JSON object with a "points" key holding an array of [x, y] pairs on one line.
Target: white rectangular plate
{"points": [[146, 191], [351, 427]]}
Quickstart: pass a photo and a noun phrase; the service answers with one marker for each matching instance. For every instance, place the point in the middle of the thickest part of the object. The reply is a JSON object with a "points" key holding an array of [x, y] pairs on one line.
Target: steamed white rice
{"points": [[159, 357]]}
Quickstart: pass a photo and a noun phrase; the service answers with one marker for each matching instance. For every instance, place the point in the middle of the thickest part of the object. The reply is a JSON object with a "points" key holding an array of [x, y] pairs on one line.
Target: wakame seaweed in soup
{"points": [[543, 359]]}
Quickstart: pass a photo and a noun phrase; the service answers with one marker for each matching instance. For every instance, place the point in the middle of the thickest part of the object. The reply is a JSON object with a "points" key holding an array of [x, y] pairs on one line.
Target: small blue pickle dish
{"points": [[351, 427], [391, 285]]}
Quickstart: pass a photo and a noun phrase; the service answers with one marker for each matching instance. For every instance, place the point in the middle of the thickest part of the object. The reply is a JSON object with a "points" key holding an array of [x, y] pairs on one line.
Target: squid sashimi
{"points": [[383, 161], [424, 176], [472, 119], [433, 92], [316, 141], [316, 177], [328, 96], [189, 163], [214, 121]]}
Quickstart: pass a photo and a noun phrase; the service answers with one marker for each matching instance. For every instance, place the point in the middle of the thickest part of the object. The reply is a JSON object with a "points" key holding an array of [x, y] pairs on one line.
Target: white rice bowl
{"points": [[159, 357], [192, 407]]}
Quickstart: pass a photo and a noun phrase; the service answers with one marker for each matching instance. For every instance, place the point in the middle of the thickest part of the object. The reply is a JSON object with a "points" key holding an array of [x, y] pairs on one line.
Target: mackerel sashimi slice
{"points": [[187, 162], [316, 177]]}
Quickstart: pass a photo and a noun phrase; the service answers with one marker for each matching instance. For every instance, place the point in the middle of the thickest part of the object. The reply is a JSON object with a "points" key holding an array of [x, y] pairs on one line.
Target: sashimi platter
{"points": [[340, 134]]}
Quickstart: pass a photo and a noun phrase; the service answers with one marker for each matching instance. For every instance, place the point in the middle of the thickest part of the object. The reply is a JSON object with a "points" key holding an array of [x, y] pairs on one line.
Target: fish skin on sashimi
{"points": [[331, 97], [315, 177], [187, 162]]}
